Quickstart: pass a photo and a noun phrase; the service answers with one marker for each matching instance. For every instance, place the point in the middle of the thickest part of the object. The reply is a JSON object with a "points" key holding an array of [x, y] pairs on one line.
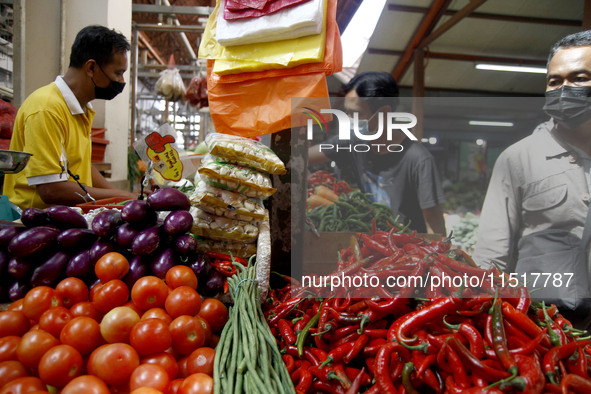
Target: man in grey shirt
{"points": [[533, 218]]}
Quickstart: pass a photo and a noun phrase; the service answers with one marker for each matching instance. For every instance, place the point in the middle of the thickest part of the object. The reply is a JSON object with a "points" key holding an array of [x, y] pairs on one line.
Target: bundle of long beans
{"points": [[247, 358]]}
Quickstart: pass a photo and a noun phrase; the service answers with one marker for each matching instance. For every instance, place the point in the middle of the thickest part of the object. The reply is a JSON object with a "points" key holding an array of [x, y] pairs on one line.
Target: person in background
{"points": [[54, 124], [534, 216], [407, 181]]}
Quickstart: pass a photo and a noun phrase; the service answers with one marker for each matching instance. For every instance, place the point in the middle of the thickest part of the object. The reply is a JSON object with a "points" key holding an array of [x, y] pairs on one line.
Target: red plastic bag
{"points": [[7, 116], [269, 7], [196, 93], [246, 4]]}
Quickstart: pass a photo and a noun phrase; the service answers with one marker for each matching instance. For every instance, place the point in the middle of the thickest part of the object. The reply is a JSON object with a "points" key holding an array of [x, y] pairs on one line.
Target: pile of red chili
{"points": [[327, 179], [452, 340]]}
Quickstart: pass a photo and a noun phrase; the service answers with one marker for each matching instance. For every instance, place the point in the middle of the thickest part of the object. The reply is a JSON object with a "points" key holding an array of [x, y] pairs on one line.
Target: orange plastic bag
{"points": [[257, 107], [333, 57]]}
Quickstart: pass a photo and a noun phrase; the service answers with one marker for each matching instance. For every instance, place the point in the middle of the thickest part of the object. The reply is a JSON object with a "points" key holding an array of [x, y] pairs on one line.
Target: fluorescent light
{"points": [[479, 142], [519, 69], [432, 140], [490, 123]]}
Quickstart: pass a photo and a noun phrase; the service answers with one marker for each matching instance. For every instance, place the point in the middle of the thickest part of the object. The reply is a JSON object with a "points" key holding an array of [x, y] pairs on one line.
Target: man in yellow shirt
{"points": [[54, 124]]}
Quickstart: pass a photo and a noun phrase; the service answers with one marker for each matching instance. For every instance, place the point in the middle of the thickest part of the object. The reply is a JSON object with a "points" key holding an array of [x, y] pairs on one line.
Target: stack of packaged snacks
{"points": [[227, 204]]}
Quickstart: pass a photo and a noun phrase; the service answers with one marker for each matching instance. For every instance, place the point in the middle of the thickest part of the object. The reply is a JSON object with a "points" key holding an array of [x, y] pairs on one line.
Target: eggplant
{"points": [[76, 238], [105, 223], [64, 217], [163, 262], [200, 265], [100, 248], [125, 235], [80, 265], [33, 240], [139, 212], [185, 245], [9, 232], [19, 269], [34, 217], [50, 271], [4, 259], [178, 222], [146, 242], [214, 284], [18, 290], [138, 267], [169, 199]]}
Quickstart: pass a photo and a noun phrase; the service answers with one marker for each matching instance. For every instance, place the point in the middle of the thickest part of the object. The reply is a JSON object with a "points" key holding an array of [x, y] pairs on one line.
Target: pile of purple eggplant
{"points": [[58, 242]]}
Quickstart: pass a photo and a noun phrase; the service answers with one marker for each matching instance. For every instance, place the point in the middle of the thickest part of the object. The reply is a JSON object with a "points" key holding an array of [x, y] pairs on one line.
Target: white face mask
{"points": [[360, 127]]}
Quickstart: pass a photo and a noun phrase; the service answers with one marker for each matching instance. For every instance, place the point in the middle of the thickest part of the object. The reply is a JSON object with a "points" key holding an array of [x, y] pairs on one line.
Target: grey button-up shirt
{"points": [[538, 185]]}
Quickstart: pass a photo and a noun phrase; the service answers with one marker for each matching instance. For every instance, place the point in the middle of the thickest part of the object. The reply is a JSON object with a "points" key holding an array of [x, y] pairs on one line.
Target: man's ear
{"points": [[89, 67]]}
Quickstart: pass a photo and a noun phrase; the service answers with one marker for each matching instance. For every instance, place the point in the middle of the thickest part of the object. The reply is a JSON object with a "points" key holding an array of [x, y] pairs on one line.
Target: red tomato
{"points": [[166, 361], [150, 336], [197, 383], [33, 346], [215, 313], [149, 292], [94, 288], [111, 266], [86, 308], [27, 384], [214, 339], [17, 305], [8, 346], [201, 360], [59, 365], [136, 308], [175, 386], [149, 375], [146, 390], [117, 324], [206, 328], [13, 323], [82, 333], [54, 319], [112, 294], [10, 370], [157, 313], [181, 275], [113, 363], [182, 301], [87, 384], [38, 300], [187, 334], [182, 364], [72, 290]]}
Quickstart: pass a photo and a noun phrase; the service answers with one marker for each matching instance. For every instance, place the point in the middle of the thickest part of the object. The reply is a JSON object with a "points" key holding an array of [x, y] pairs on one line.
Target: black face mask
{"points": [[570, 106], [110, 91]]}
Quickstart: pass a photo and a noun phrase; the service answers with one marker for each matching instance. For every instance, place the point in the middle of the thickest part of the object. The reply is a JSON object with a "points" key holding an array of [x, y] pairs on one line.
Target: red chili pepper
{"points": [[408, 323], [337, 354], [554, 355], [426, 363], [524, 300], [286, 332], [343, 332], [306, 353], [301, 323], [326, 387], [349, 338], [499, 340], [338, 373], [302, 378], [380, 248], [281, 311], [523, 322], [357, 382], [526, 349], [471, 334], [289, 362], [222, 256], [382, 368], [575, 382], [358, 345], [459, 374], [476, 365], [431, 380]]}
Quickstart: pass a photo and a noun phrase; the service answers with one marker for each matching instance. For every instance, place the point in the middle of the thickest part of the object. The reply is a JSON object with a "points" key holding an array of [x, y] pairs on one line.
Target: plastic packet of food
{"points": [[245, 152], [222, 228], [248, 181], [263, 269], [228, 204], [234, 248]]}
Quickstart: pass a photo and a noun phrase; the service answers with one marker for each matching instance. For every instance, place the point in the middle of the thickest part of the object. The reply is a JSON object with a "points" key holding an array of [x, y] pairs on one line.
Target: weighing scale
{"points": [[11, 162]]}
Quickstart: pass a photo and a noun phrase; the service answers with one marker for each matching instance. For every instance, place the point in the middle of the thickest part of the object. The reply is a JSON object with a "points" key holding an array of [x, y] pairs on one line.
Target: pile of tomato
{"points": [[157, 337]]}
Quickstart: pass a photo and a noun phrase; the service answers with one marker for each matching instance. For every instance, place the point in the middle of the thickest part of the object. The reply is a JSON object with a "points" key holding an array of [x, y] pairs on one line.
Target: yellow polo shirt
{"points": [[52, 126]]}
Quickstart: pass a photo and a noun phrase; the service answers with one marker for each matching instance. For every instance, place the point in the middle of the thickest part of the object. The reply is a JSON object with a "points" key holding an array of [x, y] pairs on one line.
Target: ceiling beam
{"points": [[451, 22], [426, 26], [142, 38], [464, 57], [171, 9], [494, 17]]}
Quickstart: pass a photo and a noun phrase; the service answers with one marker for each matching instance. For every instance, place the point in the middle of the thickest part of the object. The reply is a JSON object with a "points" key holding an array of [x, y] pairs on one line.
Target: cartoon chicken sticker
{"points": [[164, 156]]}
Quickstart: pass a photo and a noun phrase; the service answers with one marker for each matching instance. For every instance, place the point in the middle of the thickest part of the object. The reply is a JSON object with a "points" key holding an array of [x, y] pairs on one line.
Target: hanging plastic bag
{"points": [[170, 84], [196, 93], [262, 56], [168, 160], [293, 22], [233, 12]]}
